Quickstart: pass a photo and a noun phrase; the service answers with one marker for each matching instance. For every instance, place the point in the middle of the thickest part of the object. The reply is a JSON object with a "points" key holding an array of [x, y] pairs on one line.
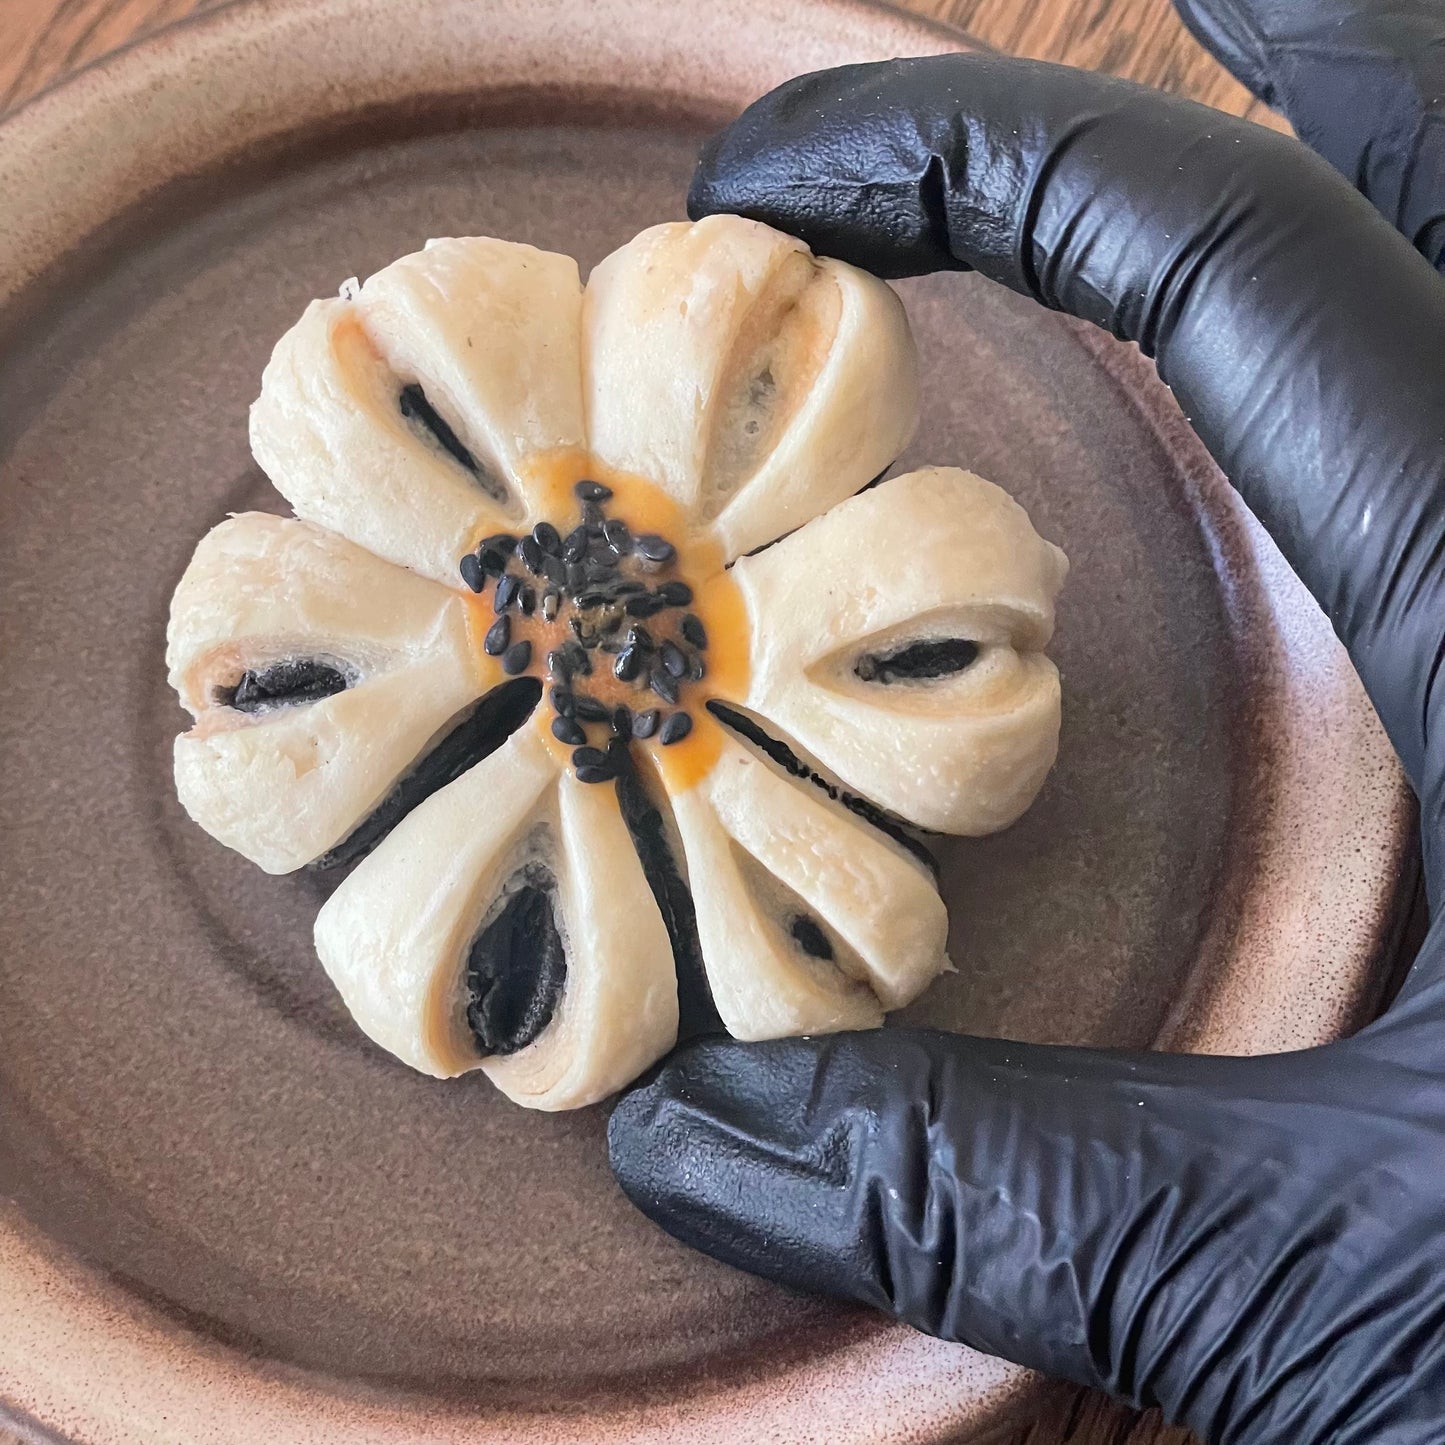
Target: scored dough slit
{"points": [[469, 736], [766, 739], [483, 339], [813, 940], [512, 978], [652, 827], [780, 347], [428, 421], [417, 412], [810, 920]]}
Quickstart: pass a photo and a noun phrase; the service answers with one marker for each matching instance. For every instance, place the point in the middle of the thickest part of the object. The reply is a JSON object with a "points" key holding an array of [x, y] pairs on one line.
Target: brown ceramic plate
{"points": [[226, 1217]]}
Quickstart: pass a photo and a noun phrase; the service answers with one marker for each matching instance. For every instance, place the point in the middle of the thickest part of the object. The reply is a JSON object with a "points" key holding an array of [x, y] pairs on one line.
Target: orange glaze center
{"points": [[625, 611]]}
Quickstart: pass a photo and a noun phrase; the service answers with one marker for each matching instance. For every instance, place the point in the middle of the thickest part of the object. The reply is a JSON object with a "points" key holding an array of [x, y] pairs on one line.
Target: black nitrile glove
{"points": [[1257, 1245], [1362, 81]]}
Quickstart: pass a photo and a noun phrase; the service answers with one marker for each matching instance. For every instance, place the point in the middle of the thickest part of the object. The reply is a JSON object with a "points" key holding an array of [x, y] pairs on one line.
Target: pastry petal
{"points": [[755, 383], [396, 936], [931, 558], [490, 331], [809, 920], [284, 783]]}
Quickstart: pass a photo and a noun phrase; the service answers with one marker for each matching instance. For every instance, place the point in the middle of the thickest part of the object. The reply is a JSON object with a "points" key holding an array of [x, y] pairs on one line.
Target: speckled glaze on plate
{"points": [[225, 1216]]}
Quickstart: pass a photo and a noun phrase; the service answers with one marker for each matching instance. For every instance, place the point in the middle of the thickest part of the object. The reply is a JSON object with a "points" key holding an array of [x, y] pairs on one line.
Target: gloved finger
{"points": [[1303, 337], [1121, 1220], [1360, 82]]}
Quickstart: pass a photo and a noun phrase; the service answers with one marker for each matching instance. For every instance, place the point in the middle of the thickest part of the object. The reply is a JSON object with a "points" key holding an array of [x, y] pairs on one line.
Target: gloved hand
{"points": [[1256, 1244]]}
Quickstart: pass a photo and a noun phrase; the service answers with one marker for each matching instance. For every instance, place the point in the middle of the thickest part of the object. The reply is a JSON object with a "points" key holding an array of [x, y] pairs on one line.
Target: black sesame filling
{"points": [[792, 764], [282, 684], [418, 410], [476, 734], [940, 657], [516, 967], [810, 938], [626, 628], [697, 1014]]}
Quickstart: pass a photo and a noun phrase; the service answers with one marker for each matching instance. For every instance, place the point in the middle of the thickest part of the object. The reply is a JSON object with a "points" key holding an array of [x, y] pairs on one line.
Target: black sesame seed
{"points": [[644, 724], [562, 701], [622, 723], [639, 636], [645, 604], [592, 518], [600, 569], [675, 593], [566, 730], [663, 684], [527, 600], [654, 548], [674, 659], [517, 658], [499, 637], [577, 659], [554, 569], [696, 668], [551, 603], [494, 563], [692, 629], [677, 727], [547, 537], [618, 536], [506, 594], [585, 601], [594, 775], [531, 554], [590, 710], [589, 758], [588, 491], [576, 577], [472, 573], [626, 586], [628, 664], [559, 663], [575, 547], [502, 543]]}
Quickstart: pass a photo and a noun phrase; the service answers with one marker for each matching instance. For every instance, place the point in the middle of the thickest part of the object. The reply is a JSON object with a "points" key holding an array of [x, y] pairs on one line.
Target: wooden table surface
{"points": [[43, 40]]}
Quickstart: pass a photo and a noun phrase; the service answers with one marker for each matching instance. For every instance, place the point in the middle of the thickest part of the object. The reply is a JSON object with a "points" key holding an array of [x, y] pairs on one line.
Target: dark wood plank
{"points": [[42, 40], [1140, 39]]}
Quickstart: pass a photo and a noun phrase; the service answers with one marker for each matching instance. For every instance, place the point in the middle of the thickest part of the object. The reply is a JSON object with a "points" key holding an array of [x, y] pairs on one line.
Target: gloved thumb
{"points": [[1064, 1208]]}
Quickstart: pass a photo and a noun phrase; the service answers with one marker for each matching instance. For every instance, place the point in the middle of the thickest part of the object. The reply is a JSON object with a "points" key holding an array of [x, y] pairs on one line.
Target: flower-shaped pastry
{"points": [[590, 634]]}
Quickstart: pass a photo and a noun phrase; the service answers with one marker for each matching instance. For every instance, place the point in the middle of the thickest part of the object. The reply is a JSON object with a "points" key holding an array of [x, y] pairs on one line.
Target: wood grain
{"points": [[42, 41]]}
